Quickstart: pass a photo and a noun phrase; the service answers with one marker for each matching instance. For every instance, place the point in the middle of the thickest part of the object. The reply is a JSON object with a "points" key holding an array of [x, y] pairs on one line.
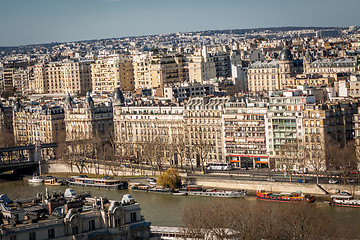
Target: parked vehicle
{"points": [[302, 181], [333, 181], [271, 179], [219, 166]]}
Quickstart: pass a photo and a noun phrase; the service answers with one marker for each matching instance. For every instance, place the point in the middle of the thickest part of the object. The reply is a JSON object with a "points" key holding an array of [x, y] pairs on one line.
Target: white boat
{"points": [[179, 193], [218, 193], [344, 200], [36, 179]]}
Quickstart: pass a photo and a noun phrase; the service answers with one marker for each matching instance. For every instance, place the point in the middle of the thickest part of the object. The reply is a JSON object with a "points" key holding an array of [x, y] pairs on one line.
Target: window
{"points": [[51, 233], [91, 225], [75, 230], [32, 236], [133, 217], [117, 222]]}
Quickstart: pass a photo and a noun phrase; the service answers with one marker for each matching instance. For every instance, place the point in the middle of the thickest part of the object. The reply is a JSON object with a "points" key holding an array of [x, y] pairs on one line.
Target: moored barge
{"points": [[285, 197], [98, 183]]}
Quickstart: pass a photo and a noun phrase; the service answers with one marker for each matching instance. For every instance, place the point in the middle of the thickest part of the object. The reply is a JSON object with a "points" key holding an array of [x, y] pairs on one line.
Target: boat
{"points": [[344, 201], [98, 183], [285, 197], [53, 182], [35, 179], [139, 186], [229, 194], [178, 193]]}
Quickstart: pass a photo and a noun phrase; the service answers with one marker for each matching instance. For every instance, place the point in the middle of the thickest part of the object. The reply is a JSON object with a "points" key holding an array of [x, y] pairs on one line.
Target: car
{"points": [[351, 180], [302, 181], [333, 181], [345, 194], [151, 179], [271, 179]]}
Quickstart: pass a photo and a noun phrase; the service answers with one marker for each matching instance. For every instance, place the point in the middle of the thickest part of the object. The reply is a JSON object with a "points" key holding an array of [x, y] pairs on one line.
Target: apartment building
{"points": [[168, 69], [328, 66], [326, 124], [246, 133], [37, 124], [273, 75], [285, 129], [6, 125], [87, 120], [201, 69], [142, 73], [7, 79], [188, 90], [21, 79], [69, 76], [109, 73], [203, 129], [68, 217], [311, 80]]}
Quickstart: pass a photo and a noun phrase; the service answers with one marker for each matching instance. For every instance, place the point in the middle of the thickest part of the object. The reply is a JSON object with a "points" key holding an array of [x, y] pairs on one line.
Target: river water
{"points": [[164, 209]]}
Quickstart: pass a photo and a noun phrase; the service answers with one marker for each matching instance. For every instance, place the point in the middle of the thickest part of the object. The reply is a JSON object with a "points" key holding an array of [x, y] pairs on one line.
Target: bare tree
{"points": [[179, 148], [290, 155], [200, 147]]}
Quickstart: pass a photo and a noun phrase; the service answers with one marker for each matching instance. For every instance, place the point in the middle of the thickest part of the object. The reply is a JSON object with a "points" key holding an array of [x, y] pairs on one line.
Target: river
{"points": [[164, 209]]}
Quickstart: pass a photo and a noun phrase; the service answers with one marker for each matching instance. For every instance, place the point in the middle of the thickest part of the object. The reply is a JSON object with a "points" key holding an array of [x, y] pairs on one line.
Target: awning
{"points": [[263, 162]]}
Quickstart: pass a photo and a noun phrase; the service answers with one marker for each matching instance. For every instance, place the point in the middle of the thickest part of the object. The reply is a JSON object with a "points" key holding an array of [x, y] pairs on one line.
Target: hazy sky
{"points": [[42, 21]]}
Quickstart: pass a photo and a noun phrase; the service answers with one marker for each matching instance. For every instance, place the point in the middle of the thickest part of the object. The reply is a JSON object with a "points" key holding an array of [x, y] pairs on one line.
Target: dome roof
{"points": [[88, 100], [17, 105], [285, 54], [308, 54]]}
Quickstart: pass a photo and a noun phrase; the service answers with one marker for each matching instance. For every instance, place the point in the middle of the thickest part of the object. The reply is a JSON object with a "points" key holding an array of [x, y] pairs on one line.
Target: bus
{"points": [[219, 166]]}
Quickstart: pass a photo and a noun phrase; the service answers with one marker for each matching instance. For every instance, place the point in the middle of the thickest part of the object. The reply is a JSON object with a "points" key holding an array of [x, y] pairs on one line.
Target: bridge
{"points": [[22, 157]]}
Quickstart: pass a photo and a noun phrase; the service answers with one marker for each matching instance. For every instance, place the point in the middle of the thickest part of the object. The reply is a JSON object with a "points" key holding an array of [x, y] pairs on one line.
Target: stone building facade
{"points": [[68, 76], [203, 125], [245, 133], [85, 120], [110, 73]]}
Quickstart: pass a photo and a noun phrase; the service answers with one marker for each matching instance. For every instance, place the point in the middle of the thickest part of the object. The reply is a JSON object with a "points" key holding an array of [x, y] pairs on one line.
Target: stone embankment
{"points": [[210, 182]]}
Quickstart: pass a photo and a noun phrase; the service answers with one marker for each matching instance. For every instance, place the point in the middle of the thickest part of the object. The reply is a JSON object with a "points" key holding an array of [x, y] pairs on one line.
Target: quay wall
{"points": [[209, 182], [58, 167], [274, 186]]}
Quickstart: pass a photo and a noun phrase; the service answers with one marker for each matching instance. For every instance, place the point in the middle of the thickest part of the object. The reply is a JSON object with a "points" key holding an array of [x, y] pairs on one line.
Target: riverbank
{"points": [[207, 181]]}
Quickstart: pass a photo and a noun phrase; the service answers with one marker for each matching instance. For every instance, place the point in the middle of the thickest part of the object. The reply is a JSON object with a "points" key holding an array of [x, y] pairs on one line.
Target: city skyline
{"points": [[37, 22]]}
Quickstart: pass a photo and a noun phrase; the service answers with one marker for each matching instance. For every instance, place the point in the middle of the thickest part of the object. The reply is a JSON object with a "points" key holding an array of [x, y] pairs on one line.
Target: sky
{"points": [[43, 21]]}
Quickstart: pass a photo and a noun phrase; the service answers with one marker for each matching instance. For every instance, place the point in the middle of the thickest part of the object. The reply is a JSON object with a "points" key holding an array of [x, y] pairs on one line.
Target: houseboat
{"points": [[285, 197], [53, 182], [344, 200], [98, 183]]}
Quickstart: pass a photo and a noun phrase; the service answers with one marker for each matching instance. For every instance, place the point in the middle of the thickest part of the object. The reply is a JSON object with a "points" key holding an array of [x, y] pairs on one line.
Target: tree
{"points": [[201, 147], [242, 220], [157, 151], [347, 159], [315, 155], [179, 148], [170, 179], [290, 155]]}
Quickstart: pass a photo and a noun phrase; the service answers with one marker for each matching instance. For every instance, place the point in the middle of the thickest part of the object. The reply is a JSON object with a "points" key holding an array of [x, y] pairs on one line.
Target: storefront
{"points": [[247, 161]]}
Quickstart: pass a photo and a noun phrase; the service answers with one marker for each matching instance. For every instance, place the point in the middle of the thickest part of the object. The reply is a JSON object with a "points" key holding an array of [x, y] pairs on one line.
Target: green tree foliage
{"points": [[170, 179]]}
